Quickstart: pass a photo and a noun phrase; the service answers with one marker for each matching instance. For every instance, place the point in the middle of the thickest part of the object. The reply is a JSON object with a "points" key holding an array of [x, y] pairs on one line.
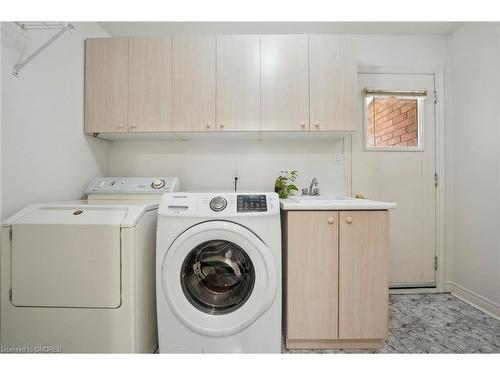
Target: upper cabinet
{"points": [[106, 85], [333, 82], [194, 83], [150, 84], [285, 82], [206, 83], [238, 82]]}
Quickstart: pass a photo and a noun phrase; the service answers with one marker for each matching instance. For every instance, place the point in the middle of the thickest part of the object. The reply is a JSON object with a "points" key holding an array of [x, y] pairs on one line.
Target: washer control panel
{"points": [[220, 205], [251, 203], [132, 185]]}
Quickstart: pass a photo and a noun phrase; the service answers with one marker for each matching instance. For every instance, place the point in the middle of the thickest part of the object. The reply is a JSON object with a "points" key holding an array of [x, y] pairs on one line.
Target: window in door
{"points": [[393, 120]]}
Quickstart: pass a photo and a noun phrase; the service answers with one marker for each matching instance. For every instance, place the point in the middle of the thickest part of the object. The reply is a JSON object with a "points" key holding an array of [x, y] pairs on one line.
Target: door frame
{"points": [[438, 73]]}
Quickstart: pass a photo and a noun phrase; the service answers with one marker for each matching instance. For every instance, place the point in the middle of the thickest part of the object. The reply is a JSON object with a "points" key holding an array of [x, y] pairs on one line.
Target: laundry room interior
{"points": [[323, 187]]}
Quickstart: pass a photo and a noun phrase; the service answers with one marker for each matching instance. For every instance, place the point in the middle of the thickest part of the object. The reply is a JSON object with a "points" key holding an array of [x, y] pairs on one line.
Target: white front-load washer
{"points": [[218, 273], [78, 276]]}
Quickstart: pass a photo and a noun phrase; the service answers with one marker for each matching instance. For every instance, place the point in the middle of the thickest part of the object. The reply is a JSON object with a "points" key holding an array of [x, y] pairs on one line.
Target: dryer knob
{"points": [[218, 203], [158, 184]]}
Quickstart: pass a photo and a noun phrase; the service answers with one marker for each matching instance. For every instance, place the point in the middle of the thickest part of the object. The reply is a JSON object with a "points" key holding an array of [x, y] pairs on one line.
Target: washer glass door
{"points": [[217, 277]]}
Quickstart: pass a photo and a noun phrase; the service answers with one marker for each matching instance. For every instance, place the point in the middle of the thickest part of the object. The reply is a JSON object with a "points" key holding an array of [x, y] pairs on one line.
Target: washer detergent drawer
{"points": [[67, 257]]}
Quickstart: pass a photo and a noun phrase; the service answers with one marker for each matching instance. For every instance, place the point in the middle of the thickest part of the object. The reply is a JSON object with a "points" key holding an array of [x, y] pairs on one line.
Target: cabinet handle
{"points": [[120, 126], [316, 125], [302, 125], [348, 219], [331, 220], [132, 125], [221, 125], [208, 126]]}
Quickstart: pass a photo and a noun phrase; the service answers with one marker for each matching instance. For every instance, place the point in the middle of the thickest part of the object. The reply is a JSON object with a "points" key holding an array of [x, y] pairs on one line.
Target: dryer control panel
{"points": [[132, 185]]}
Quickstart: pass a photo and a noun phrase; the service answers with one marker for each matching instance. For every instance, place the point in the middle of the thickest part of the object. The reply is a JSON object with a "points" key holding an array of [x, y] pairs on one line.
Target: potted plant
{"points": [[284, 184]]}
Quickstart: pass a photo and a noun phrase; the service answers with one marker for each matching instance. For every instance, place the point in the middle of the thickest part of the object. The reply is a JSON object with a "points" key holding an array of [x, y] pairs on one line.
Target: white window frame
{"points": [[395, 94]]}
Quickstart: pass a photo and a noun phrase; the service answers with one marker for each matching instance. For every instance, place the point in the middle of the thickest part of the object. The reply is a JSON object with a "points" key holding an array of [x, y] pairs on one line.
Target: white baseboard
{"points": [[472, 298], [448, 286]]}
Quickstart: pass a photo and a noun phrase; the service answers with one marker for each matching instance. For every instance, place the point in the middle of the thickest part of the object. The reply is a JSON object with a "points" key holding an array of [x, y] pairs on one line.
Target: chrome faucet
{"points": [[313, 190]]}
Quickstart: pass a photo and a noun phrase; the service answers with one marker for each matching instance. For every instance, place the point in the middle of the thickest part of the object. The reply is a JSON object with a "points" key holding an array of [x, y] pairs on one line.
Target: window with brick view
{"points": [[392, 122]]}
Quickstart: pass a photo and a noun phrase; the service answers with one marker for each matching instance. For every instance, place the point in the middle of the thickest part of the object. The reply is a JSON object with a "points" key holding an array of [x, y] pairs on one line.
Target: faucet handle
{"points": [[315, 191], [304, 191]]}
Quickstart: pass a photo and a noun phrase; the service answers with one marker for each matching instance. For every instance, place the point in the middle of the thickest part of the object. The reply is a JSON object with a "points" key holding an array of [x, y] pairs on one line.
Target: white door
{"points": [[393, 159]]}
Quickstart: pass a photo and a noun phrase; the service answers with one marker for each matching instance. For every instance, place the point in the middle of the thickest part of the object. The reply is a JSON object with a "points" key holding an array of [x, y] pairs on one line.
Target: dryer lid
{"points": [[74, 215], [126, 213]]}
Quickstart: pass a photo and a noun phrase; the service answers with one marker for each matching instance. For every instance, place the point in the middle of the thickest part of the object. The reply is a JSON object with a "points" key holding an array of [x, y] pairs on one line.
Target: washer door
{"points": [[218, 277]]}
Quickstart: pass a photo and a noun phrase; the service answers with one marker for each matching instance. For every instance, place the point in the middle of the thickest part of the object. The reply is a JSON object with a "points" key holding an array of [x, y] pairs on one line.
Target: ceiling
{"points": [[391, 28]]}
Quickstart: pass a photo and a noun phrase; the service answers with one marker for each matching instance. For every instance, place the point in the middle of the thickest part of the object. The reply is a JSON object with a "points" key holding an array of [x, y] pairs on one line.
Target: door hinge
{"points": [[10, 294], [435, 263], [435, 97], [436, 179], [10, 234]]}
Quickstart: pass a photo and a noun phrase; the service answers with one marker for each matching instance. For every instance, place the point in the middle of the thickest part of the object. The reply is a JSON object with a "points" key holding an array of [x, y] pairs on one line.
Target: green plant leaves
{"points": [[283, 184]]}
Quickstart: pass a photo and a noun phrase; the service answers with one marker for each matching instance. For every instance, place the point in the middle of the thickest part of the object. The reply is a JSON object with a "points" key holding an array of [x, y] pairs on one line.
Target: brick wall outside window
{"points": [[392, 122]]}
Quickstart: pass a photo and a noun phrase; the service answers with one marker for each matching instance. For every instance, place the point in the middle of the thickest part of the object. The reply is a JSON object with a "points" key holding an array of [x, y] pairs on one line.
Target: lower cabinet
{"points": [[312, 285], [337, 278]]}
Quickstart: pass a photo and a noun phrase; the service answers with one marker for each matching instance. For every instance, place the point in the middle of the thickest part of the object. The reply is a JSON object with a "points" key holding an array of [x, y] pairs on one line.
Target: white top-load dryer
{"points": [[79, 276], [218, 272]]}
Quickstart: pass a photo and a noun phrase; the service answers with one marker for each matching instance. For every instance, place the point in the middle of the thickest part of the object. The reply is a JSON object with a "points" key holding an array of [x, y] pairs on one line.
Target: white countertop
{"points": [[291, 204]]}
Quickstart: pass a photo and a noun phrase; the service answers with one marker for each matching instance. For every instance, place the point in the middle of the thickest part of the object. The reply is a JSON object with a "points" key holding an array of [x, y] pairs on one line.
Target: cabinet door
{"points": [[238, 82], [333, 82], [312, 275], [106, 85], [285, 82], [150, 95], [194, 83], [364, 274]]}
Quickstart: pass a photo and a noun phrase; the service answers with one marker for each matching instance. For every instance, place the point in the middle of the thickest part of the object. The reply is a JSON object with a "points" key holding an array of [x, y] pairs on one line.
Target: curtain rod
{"points": [[369, 91]]}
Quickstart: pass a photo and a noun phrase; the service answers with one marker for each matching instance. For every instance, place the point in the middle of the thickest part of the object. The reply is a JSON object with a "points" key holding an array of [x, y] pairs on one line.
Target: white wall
{"points": [[125, 29], [45, 155], [208, 165], [473, 161], [401, 51]]}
